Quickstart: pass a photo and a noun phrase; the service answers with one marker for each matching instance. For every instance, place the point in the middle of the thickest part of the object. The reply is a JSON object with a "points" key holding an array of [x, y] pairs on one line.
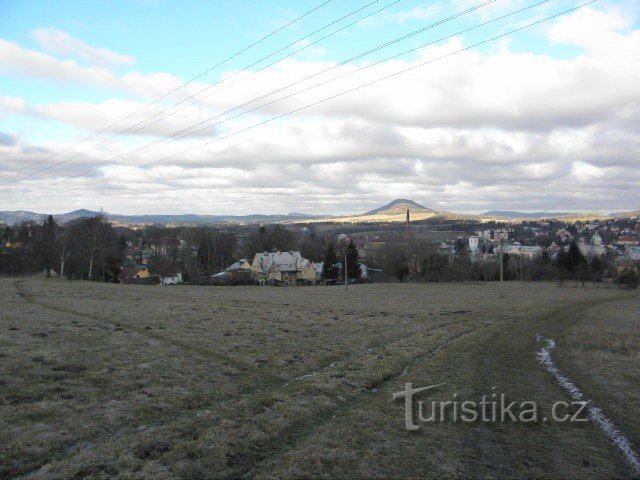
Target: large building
{"points": [[593, 249], [283, 268]]}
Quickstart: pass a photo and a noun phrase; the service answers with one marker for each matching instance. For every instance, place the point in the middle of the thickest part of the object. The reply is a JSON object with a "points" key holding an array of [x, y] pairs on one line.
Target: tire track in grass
{"points": [[67, 451], [296, 429], [183, 345], [268, 379], [258, 387], [595, 413], [299, 430]]}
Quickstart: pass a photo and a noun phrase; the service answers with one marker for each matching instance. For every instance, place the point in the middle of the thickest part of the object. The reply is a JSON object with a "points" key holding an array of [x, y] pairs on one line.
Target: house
{"points": [[168, 246], [633, 252], [516, 248], [141, 272], [140, 255], [236, 276], [319, 267], [283, 268], [367, 272], [593, 249], [171, 279], [553, 250], [627, 240], [139, 275], [242, 264]]}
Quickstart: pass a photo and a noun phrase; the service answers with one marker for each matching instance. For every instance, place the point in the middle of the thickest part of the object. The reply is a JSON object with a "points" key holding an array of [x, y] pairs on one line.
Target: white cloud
{"points": [[62, 43], [15, 60], [421, 12], [480, 130], [10, 105], [598, 32]]}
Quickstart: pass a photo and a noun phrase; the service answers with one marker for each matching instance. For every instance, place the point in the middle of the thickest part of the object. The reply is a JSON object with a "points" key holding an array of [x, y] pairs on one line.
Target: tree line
{"points": [[425, 262], [88, 248], [94, 249]]}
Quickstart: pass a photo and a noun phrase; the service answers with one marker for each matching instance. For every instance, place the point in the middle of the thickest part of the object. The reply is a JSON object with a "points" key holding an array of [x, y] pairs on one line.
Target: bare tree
{"points": [[63, 251], [92, 239]]}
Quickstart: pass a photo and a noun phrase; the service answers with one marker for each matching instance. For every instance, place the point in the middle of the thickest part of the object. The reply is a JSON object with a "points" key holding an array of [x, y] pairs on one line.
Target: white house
{"points": [[473, 244], [174, 279], [516, 248]]}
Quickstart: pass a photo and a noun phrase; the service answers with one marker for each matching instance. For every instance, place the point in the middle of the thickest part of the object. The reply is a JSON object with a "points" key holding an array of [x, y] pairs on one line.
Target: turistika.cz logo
{"points": [[493, 408]]}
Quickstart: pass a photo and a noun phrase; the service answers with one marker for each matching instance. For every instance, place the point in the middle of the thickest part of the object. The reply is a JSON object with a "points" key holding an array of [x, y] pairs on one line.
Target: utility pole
{"points": [[346, 276], [411, 257], [501, 259]]}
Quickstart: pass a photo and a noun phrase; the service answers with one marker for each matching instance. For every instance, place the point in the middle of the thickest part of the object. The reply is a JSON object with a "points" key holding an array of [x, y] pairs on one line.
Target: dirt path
{"points": [[506, 363], [499, 358]]}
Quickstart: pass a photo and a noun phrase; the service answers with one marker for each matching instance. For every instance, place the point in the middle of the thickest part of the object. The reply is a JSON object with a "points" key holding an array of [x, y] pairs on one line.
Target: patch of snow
{"points": [[301, 378], [595, 413]]}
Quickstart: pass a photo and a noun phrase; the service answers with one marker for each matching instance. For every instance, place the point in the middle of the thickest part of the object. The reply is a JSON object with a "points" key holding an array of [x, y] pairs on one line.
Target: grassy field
{"points": [[102, 381]]}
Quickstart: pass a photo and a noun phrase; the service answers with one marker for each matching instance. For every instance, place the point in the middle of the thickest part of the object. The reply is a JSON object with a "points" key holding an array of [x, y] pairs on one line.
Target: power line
{"points": [[132, 129], [178, 135], [635, 150], [233, 83], [257, 42], [332, 97]]}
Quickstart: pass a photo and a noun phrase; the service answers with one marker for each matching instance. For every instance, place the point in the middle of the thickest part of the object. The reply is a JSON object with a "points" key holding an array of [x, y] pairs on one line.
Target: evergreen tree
{"points": [[353, 261], [329, 268], [8, 234], [628, 279], [575, 260], [505, 265], [544, 258], [48, 244], [597, 269], [460, 247]]}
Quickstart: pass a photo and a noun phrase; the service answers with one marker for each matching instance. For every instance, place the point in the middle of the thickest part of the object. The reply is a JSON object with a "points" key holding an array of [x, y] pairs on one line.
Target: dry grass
{"points": [[199, 382]]}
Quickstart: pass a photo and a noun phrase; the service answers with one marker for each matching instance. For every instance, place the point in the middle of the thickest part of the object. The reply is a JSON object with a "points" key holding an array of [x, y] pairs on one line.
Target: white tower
{"points": [[473, 244]]}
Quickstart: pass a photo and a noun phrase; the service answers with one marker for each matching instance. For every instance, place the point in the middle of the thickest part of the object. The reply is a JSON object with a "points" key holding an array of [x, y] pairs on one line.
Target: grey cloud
{"points": [[8, 140]]}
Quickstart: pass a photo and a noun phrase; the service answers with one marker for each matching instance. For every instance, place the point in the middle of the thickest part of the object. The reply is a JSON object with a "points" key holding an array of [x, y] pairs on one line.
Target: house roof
{"points": [[283, 261], [237, 265]]}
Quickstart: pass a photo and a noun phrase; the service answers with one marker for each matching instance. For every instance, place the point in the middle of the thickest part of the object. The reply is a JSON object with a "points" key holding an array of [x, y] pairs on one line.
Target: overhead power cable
{"points": [[133, 129], [193, 79], [351, 90], [184, 132], [622, 160]]}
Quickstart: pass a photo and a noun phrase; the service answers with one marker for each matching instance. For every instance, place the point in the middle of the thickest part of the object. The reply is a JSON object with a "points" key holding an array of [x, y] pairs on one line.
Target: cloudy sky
{"points": [[95, 112]]}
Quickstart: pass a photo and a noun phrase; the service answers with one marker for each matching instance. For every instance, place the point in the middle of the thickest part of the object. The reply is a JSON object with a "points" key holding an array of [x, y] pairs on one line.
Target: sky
{"points": [[324, 107]]}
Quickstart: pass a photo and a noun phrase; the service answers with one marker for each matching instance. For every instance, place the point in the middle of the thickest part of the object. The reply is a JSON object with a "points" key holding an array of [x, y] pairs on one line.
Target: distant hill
{"points": [[192, 219], [632, 214], [14, 217], [20, 216], [392, 212], [566, 216], [515, 214], [399, 205]]}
